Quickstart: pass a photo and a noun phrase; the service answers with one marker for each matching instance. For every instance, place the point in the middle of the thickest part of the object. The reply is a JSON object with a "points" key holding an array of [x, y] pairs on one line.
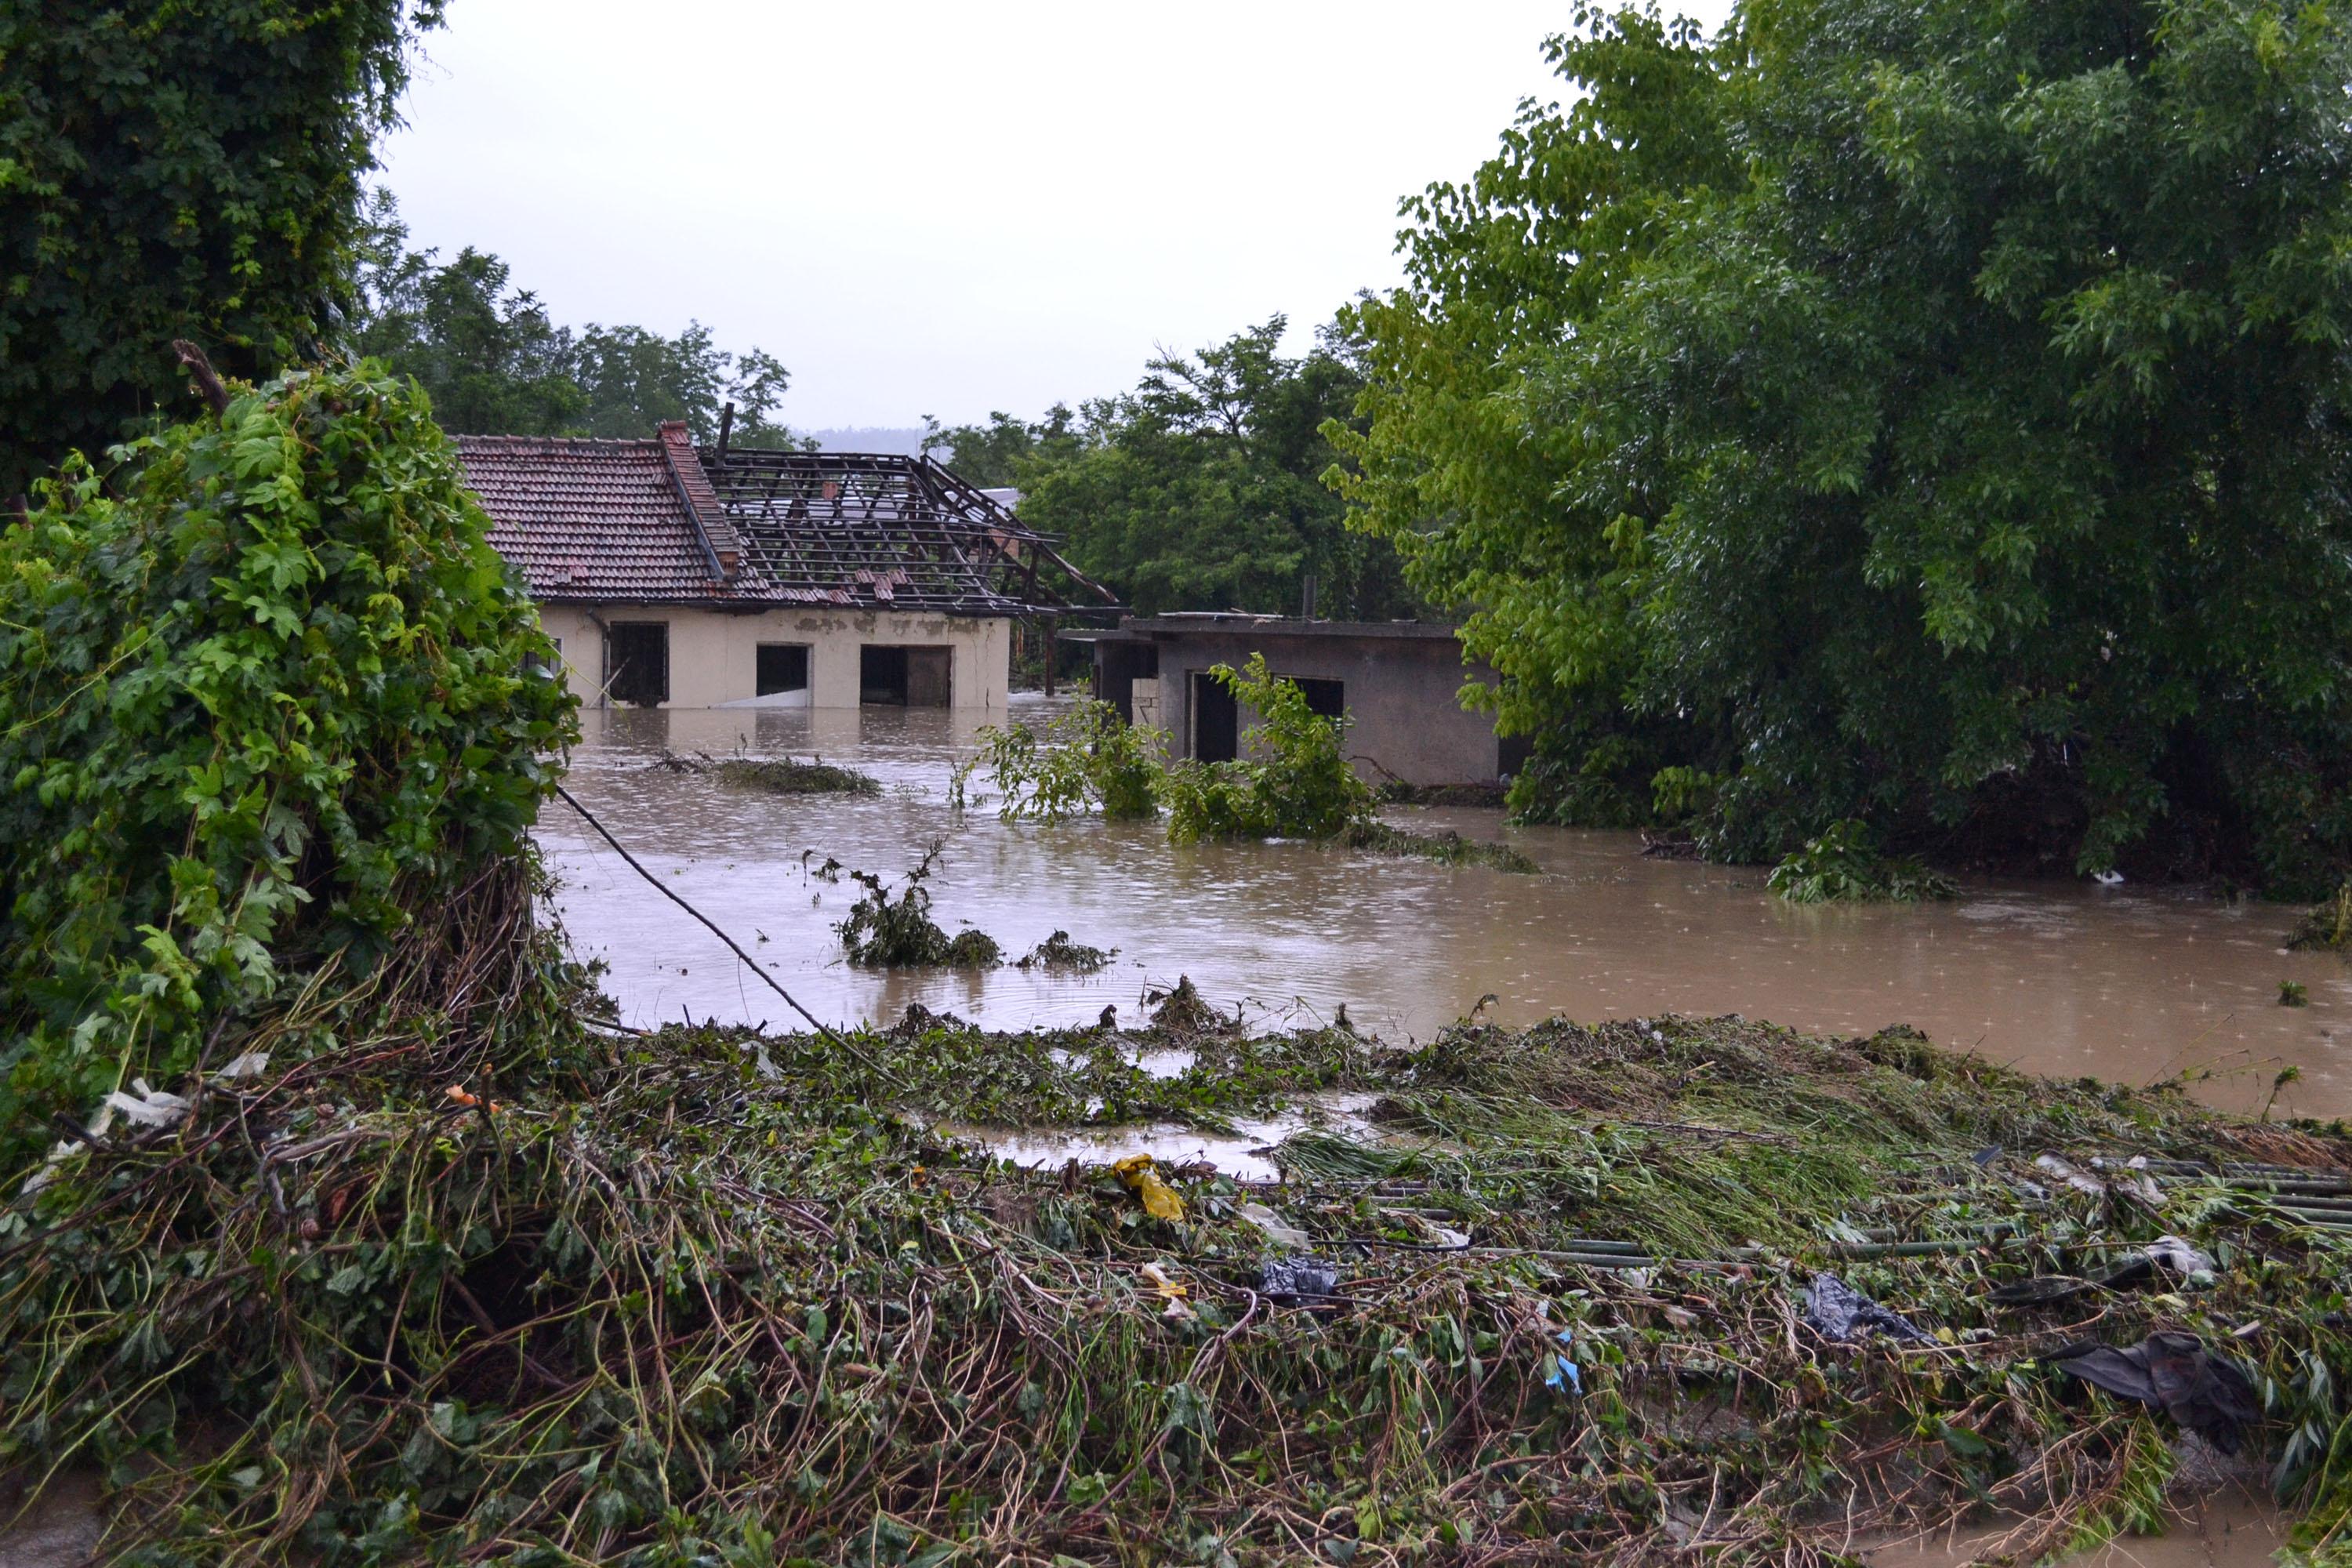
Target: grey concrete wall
{"points": [[1401, 695]]}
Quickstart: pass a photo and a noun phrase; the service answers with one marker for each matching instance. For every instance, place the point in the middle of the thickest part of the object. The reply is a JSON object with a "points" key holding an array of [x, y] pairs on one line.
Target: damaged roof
{"points": [[663, 522]]}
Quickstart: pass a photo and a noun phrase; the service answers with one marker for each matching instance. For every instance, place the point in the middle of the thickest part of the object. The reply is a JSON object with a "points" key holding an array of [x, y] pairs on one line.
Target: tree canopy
{"points": [[494, 363], [176, 171], [1932, 413], [1202, 489]]}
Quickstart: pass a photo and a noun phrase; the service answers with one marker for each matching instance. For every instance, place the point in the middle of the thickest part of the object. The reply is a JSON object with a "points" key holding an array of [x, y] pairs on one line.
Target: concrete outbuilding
{"points": [[673, 575], [1399, 682]]}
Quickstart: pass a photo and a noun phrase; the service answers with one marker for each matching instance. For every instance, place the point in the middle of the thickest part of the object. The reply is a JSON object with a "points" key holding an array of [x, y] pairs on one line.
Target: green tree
{"points": [[1202, 487], [999, 453], [1968, 460], [494, 362], [1446, 464], [173, 171], [488, 354]]}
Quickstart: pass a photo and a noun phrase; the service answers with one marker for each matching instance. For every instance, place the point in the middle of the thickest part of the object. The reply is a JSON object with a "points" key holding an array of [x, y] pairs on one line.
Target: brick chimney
{"points": [[720, 542]]}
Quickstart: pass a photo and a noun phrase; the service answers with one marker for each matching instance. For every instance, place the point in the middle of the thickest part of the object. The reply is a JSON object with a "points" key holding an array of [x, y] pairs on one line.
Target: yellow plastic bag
{"points": [[1159, 1199]]}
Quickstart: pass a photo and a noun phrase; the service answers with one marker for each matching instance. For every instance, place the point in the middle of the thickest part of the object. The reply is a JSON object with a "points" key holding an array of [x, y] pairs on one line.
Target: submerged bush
{"points": [[883, 933], [1058, 952], [1294, 781], [2328, 926], [266, 712], [1085, 759], [1843, 863]]}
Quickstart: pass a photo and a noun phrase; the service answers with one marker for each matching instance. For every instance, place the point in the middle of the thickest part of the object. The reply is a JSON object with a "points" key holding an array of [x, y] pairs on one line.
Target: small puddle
{"points": [[1246, 1153]]}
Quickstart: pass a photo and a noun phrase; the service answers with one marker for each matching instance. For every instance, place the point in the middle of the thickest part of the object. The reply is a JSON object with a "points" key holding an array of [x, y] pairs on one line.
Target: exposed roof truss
{"points": [[880, 529]]}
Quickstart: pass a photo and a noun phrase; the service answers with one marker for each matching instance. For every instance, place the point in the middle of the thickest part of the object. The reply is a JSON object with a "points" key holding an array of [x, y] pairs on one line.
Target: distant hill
{"points": [[907, 441]]}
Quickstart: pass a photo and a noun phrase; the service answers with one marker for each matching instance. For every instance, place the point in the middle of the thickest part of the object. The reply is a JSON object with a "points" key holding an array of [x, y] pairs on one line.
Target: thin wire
{"points": [[823, 1033]]}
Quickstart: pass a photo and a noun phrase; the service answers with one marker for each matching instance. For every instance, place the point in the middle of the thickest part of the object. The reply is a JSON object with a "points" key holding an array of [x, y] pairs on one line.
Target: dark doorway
{"points": [[1216, 720], [782, 666], [882, 676], [636, 662], [1118, 667], [1328, 698], [902, 677]]}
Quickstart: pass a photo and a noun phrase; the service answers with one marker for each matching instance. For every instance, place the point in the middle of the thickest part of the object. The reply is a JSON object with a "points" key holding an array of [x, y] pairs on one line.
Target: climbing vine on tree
{"points": [[264, 716], [176, 171]]}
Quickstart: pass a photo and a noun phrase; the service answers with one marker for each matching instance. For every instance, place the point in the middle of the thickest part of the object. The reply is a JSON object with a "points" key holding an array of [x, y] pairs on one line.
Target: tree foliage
{"points": [[176, 171], [494, 363], [1928, 414], [1086, 758], [260, 717], [1202, 487], [1293, 779]]}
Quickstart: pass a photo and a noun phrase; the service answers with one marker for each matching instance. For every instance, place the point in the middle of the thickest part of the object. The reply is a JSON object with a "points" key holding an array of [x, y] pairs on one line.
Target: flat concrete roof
{"points": [[1226, 624]]}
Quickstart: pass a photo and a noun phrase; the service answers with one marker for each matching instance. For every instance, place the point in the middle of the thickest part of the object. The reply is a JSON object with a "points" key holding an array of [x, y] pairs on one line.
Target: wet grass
{"points": [[723, 1297]]}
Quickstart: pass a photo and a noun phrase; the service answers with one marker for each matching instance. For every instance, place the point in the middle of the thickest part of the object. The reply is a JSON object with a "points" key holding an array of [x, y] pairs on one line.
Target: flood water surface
{"points": [[2126, 984]]}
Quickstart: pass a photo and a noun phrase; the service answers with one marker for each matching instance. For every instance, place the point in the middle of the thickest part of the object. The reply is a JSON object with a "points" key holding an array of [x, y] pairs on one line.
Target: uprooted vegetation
{"points": [[883, 933], [1294, 780], [724, 1298], [774, 775]]}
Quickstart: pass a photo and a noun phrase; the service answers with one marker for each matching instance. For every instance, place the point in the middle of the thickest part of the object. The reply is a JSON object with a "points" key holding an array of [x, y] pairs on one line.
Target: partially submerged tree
{"points": [[176, 171], [1926, 414]]}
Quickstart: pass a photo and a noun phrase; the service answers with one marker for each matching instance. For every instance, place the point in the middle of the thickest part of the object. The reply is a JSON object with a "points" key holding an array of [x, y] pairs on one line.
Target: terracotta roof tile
{"points": [[590, 520], [610, 521]]}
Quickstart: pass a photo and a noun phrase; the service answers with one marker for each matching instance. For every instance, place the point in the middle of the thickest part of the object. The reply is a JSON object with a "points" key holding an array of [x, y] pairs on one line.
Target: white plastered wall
{"points": [[713, 656]]}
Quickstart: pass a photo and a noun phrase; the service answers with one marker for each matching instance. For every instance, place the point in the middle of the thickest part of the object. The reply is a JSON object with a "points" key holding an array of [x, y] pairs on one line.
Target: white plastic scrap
{"points": [[1276, 1228], [2132, 1181], [66, 1148], [2180, 1255], [146, 1106], [252, 1064]]}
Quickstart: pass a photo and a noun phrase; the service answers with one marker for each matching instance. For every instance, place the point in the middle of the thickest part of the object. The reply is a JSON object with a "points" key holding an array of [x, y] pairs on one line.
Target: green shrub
{"points": [[1085, 759], [1294, 780], [882, 932], [265, 713], [1843, 863]]}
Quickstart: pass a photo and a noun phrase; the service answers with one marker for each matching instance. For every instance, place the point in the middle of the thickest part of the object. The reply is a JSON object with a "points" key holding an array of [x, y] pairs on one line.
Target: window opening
{"points": [[636, 662]]}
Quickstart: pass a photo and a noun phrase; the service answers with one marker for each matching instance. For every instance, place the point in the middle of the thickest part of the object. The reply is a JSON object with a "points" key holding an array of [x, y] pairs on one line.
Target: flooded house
{"points": [[1397, 682], [673, 575]]}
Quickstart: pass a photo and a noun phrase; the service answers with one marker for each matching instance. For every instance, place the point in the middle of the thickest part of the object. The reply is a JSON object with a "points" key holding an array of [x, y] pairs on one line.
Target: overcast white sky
{"points": [[947, 208]]}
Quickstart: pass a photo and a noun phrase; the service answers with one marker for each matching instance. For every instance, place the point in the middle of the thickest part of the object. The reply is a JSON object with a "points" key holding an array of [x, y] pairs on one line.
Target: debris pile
{"points": [[1581, 1292], [776, 775], [2328, 926]]}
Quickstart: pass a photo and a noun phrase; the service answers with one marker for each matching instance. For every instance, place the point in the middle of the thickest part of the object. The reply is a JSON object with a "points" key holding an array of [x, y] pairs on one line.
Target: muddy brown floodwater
{"points": [[2126, 982]]}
